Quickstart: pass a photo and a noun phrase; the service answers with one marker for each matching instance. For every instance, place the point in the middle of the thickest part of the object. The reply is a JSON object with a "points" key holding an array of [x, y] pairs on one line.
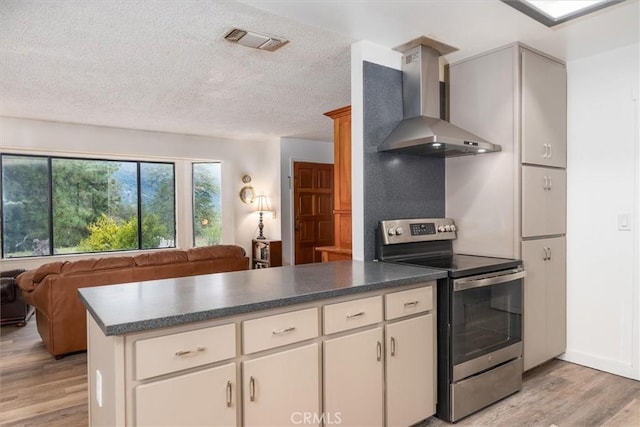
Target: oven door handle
{"points": [[487, 280]]}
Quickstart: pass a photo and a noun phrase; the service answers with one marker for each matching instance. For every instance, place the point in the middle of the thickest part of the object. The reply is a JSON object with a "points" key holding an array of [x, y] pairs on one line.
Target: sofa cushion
{"points": [[160, 258], [45, 269], [219, 251], [93, 264]]}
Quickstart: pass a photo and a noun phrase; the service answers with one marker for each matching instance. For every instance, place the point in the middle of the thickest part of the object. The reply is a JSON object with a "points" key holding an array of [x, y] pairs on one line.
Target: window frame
{"points": [[49, 159], [192, 220]]}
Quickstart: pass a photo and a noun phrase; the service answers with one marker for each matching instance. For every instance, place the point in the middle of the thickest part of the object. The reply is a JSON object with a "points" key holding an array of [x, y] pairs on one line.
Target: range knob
{"points": [[399, 231], [453, 227], [391, 231], [441, 229], [447, 228]]}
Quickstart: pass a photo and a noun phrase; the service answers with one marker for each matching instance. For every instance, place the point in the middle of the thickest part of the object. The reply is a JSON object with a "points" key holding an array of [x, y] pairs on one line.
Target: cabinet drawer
{"points": [[281, 329], [352, 314], [404, 303], [171, 353]]}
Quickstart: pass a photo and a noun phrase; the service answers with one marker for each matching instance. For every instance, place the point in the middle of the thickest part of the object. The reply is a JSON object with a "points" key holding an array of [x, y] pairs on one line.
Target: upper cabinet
{"points": [[544, 111], [544, 201]]}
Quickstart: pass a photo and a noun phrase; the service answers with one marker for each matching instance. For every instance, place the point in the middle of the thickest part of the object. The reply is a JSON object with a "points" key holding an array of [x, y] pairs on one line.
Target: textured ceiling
{"points": [[162, 64]]}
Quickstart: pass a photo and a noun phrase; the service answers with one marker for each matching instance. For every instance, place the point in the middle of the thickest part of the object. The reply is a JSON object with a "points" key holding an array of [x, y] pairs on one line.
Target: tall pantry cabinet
{"points": [[513, 203]]}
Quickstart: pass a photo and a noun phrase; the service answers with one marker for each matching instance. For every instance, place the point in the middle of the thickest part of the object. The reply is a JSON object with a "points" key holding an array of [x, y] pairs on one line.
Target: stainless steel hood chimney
{"points": [[421, 132]]}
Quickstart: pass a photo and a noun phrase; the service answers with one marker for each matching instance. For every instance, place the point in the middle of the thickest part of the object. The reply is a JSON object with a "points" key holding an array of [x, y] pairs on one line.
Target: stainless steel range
{"points": [[479, 313]]}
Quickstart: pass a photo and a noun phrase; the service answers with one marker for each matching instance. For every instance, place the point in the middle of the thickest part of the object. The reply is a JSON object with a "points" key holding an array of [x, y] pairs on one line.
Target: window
{"points": [[55, 205], [207, 215]]}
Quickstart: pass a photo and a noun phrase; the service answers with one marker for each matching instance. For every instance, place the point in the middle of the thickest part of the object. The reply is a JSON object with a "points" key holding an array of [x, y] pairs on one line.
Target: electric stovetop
{"points": [[459, 265]]}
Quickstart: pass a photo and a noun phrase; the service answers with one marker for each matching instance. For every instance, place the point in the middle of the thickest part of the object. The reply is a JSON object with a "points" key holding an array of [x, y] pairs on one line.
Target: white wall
{"points": [[296, 150], [602, 182], [240, 225]]}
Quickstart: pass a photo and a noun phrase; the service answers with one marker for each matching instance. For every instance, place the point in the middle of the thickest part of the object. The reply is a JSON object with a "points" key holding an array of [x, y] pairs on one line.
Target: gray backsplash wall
{"points": [[395, 185]]}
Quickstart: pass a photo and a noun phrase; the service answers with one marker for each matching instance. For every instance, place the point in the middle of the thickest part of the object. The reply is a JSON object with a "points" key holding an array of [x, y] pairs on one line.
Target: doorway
{"points": [[312, 210]]}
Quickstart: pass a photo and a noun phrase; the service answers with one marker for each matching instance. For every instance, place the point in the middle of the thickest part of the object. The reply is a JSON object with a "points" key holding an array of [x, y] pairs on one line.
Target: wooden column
{"points": [[342, 186]]}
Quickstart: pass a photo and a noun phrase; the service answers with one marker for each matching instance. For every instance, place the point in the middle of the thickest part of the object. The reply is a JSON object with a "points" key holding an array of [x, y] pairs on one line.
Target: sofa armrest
{"points": [[26, 281]]}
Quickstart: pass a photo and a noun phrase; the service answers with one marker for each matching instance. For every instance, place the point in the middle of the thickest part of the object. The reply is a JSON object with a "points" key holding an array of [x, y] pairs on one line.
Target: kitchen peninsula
{"points": [[312, 343]]}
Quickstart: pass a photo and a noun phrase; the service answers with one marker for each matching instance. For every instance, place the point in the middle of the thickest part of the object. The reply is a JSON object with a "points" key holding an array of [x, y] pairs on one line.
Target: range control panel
{"points": [[417, 230]]}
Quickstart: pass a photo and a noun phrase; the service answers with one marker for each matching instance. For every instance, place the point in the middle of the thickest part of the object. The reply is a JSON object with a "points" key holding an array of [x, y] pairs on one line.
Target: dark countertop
{"points": [[140, 306]]}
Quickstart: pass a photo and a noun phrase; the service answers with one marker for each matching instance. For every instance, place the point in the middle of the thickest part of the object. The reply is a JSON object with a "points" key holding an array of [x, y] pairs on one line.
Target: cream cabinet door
{"points": [[207, 397], [544, 209], [410, 371], [556, 296], [535, 302], [353, 379], [545, 300], [534, 200], [556, 202], [544, 111], [282, 388]]}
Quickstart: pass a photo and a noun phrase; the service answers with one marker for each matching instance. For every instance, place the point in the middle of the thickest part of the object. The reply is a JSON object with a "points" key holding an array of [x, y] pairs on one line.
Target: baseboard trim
{"points": [[600, 363]]}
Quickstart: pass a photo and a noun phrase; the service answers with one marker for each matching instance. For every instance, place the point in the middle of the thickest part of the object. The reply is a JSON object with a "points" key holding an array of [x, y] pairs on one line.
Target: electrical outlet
{"points": [[99, 387]]}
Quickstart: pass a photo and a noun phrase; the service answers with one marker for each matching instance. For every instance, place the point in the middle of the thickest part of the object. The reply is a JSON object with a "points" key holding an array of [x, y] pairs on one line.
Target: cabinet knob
{"points": [[393, 346]]}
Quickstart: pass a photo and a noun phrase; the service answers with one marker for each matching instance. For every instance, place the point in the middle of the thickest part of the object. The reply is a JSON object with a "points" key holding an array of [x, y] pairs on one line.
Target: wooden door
{"points": [[313, 209]]}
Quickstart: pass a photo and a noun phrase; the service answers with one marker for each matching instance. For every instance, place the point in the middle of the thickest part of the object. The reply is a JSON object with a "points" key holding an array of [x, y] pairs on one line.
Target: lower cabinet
{"points": [[353, 379], [206, 397], [545, 298], [410, 373], [369, 360], [282, 388]]}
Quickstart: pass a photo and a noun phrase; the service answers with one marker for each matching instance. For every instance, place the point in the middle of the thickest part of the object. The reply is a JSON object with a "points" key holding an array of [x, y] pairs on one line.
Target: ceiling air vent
{"points": [[255, 40]]}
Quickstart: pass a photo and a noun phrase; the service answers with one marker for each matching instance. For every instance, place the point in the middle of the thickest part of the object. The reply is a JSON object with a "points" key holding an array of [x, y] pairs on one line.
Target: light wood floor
{"points": [[37, 390]]}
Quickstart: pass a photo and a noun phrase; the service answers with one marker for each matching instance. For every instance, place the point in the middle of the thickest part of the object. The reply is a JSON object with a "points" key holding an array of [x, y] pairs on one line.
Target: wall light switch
{"points": [[624, 222]]}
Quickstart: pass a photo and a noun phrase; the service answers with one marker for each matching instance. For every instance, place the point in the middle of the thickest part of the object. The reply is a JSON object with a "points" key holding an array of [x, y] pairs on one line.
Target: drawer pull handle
{"points": [[252, 389], [354, 315], [229, 394], [186, 352], [379, 351], [284, 331], [411, 304], [393, 346]]}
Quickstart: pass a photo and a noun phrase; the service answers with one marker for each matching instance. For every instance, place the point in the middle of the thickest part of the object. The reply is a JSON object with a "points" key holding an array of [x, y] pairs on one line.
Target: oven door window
{"points": [[486, 319]]}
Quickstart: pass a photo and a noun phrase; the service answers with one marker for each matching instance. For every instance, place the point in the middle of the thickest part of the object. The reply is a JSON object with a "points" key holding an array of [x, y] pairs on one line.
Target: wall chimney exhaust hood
{"points": [[422, 132]]}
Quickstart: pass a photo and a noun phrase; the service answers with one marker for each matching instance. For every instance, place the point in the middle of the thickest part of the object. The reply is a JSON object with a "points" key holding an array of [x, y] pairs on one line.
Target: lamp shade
{"points": [[261, 204]]}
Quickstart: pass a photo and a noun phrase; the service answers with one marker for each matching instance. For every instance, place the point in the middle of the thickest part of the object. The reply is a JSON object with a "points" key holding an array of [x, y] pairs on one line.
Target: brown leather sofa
{"points": [[52, 288]]}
